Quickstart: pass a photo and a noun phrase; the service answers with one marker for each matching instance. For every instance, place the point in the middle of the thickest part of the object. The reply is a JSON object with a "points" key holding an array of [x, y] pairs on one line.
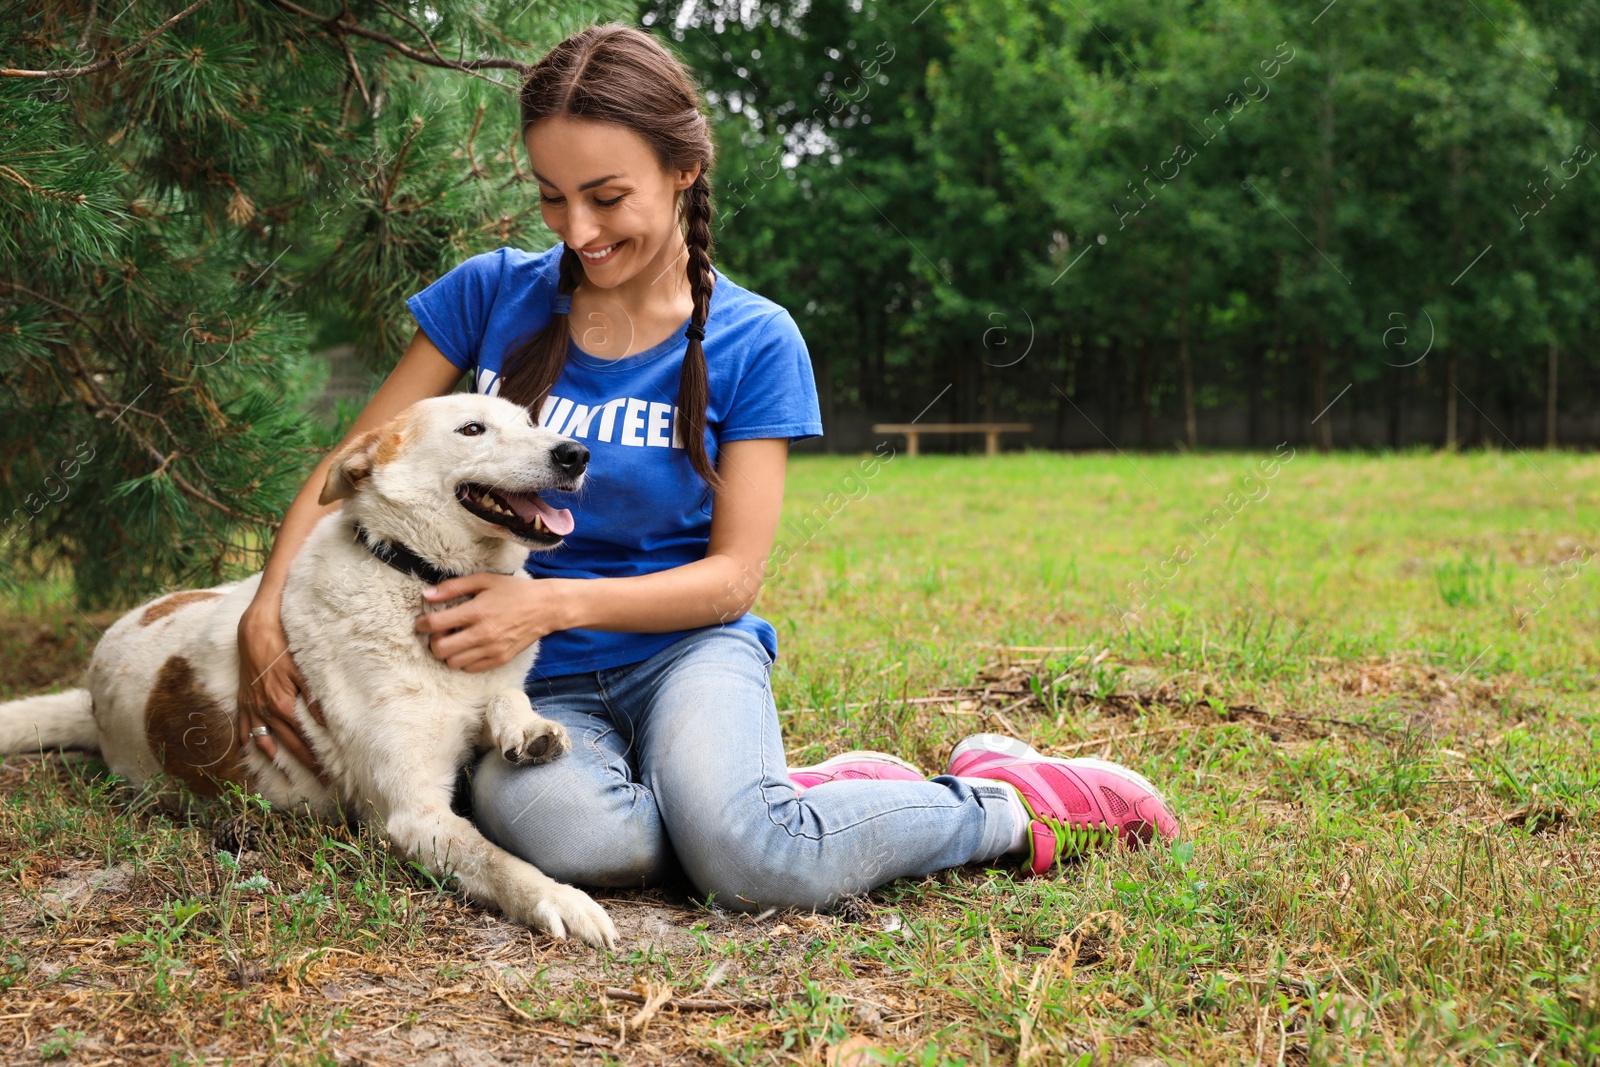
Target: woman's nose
{"points": [[582, 227]]}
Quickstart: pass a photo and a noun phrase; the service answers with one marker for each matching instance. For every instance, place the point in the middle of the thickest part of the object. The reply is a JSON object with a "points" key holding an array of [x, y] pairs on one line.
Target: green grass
{"points": [[1366, 682], [1343, 556]]}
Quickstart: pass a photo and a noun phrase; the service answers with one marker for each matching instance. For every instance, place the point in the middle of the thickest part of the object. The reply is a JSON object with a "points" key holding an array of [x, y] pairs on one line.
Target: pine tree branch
{"points": [[107, 406], [115, 58], [400, 161], [96, 397], [338, 26], [420, 31], [355, 68], [39, 190], [472, 137], [81, 318], [163, 460]]}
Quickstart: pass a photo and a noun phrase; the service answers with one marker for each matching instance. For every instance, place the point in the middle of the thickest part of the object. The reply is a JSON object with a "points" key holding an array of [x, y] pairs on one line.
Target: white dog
{"points": [[449, 487]]}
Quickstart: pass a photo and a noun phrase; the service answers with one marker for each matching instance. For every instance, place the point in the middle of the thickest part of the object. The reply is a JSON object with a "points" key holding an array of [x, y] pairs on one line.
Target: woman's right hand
{"points": [[269, 688]]}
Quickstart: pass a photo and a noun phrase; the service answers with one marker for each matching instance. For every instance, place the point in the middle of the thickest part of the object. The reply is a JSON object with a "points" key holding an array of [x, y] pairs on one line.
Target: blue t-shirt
{"points": [[643, 508]]}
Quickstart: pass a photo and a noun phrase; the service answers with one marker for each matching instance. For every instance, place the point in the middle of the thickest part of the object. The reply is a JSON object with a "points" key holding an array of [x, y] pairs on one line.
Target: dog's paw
{"points": [[568, 912], [533, 740]]}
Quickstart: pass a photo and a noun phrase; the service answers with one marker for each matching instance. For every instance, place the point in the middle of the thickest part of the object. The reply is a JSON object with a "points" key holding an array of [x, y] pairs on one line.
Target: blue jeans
{"points": [[677, 761]]}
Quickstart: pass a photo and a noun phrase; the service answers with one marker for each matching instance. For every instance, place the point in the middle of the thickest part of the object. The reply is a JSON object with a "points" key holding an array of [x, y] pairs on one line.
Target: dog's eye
{"points": [[471, 429]]}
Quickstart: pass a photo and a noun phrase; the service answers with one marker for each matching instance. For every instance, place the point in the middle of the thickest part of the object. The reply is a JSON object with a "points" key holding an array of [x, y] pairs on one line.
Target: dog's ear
{"points": [[352, 465]]}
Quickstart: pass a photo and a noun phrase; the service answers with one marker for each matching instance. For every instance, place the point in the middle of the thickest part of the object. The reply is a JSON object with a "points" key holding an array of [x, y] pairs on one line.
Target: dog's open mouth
{"points": [[524, 515]]}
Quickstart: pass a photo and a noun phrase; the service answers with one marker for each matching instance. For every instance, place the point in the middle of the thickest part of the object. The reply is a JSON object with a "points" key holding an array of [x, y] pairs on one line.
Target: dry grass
{"points": [[1389, 851]]}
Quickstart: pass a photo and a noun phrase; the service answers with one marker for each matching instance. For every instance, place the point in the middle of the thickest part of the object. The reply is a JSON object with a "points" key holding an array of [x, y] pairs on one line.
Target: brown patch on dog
{"points": [[167, 605], [355, 462], [351, 465], [397, 437], [190, 733]]}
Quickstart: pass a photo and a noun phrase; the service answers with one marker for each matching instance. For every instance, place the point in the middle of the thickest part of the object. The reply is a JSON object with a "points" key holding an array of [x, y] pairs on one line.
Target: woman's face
{"points": [[605, 194]]}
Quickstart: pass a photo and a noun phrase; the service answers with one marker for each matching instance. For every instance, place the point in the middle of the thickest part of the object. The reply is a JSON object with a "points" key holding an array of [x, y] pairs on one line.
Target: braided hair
{"points": [[620, 75]]}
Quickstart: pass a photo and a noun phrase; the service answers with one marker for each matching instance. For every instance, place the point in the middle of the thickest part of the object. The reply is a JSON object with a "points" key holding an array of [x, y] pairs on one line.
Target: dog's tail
{"points": [[60, 720]]}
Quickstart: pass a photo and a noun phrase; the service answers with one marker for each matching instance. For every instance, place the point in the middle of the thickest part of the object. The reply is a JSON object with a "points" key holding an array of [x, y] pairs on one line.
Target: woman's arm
{"points": [[718, 588], [268, 681], [508, 614]]}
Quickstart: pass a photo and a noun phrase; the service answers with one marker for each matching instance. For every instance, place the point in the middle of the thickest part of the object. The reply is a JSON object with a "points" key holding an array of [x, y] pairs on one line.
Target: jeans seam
{"points": [[761, 741], [605, 697], [851, 826], [592, 737]]}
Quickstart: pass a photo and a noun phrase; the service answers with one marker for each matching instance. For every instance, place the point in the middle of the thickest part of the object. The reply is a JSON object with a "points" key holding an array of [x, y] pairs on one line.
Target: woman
{"points": [[687, 389]]}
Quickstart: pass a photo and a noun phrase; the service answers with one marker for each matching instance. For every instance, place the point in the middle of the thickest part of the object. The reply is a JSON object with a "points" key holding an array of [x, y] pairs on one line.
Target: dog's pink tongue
{"points": [[557, 520]]}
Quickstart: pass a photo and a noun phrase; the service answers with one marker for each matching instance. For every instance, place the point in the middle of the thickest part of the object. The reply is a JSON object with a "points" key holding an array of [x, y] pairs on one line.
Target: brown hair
{"points": [[617, 74]]}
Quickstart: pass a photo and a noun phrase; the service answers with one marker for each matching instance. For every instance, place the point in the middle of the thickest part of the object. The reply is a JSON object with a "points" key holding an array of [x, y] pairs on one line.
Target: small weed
{"points": [[60, 1044], [13, 964]]}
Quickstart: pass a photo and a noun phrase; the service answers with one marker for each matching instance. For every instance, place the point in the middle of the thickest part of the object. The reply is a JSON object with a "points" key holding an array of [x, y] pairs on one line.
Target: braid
{"points": [[693, 385], [531, 370]]}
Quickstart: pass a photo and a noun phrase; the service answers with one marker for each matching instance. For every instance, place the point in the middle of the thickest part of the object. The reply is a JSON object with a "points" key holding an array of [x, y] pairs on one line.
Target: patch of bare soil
{"points": [[45, 652]]}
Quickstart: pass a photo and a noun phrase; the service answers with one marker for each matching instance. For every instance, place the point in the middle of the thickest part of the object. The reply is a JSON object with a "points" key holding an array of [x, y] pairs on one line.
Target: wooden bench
{"points": [[990, 430]]}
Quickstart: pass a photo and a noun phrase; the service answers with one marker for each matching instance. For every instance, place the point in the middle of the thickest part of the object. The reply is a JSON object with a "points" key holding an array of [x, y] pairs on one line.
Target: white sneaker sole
{"points": [[1010, 746], [862, 754]]}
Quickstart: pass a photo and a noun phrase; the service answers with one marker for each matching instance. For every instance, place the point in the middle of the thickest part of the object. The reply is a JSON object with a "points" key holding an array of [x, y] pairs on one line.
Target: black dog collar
{"points": [[403, 559]]}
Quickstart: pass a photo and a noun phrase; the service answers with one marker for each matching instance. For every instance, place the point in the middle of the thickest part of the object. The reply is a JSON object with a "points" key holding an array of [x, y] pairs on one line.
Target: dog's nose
{"points": [[571, 457]]}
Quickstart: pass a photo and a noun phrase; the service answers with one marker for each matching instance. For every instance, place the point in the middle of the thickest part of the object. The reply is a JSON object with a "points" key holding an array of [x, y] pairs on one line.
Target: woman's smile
{"points": [[598, 254]]}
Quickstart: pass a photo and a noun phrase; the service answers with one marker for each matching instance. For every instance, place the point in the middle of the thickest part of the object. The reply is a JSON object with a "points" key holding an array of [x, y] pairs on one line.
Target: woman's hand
{"points": [[505, 615], [269, 686]]}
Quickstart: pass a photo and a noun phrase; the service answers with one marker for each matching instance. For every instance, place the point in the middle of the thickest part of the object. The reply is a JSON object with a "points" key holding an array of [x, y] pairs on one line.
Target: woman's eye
{"points": [[471, 429], [613, 202], [551, 199]]}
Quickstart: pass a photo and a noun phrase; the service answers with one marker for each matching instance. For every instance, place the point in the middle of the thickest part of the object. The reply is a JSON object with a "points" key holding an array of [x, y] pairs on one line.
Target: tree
{"points": [[192, 198], [1225, 205]]}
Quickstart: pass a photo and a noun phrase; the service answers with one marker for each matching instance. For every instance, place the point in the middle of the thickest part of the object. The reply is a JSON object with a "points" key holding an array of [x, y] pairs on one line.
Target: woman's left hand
{"points": [[505, 615]]}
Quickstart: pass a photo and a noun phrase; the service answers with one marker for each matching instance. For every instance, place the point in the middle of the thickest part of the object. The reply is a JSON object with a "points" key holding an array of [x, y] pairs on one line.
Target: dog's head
{"points": [[463, 462]]}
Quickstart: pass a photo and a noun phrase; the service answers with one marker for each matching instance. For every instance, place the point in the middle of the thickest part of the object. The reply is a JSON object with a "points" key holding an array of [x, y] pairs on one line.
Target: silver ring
{"points": [[259, 731]]}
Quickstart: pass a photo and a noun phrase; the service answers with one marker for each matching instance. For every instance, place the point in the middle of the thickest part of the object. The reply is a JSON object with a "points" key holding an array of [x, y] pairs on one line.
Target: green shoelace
{"points": [[1074, 840]]}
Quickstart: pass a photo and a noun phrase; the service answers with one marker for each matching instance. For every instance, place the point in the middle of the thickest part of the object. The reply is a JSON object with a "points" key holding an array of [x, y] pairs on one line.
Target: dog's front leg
{"points": [[446, 844], [521, 734]]}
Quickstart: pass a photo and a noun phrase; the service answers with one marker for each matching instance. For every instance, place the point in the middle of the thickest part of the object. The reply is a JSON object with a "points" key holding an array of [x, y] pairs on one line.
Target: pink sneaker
{"points": [[1075, 804], [877, 766]]}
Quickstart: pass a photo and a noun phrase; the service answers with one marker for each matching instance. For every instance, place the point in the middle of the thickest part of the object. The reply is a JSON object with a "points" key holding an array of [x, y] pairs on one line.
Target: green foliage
{"points": [[61, 1043], [180, 228], [1080, 212]]}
